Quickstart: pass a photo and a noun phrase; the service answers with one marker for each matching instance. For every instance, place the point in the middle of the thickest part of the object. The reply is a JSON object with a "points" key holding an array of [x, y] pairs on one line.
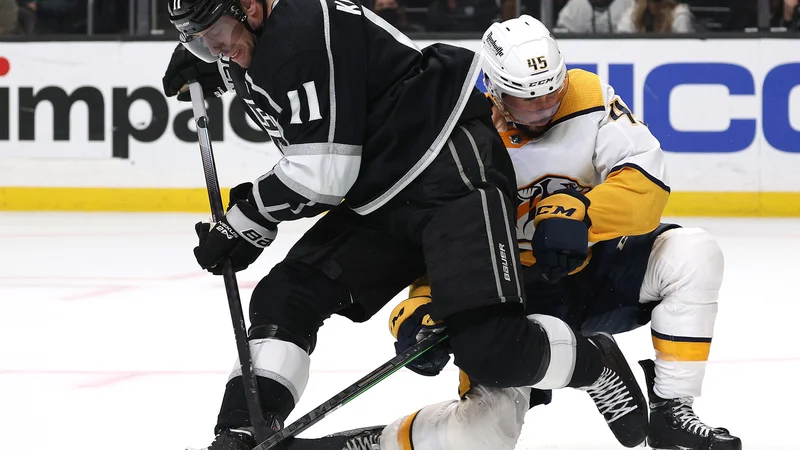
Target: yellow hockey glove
{"points": [[410, 322]]}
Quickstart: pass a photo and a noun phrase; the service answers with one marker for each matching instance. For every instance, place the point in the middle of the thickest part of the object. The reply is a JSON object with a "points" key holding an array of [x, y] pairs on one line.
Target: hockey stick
{"points": [[260, 428], [353, 391]]}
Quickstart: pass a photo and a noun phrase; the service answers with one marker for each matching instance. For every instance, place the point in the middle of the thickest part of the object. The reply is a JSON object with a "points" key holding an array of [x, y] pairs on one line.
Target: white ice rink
{"points": [[111, 338]]}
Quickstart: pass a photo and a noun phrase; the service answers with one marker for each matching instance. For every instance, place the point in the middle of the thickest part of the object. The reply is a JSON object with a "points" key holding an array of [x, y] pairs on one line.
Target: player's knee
{"points": [[692, 264], [497, 346], [293, 300]]}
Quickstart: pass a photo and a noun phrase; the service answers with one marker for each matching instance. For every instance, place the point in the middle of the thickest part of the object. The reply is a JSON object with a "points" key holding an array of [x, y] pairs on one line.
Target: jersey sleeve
{"points": [[320, 114], [633, 194]]}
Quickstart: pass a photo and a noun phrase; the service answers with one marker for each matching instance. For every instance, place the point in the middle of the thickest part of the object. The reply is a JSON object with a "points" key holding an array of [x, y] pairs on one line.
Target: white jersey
{"points": [[597, 146]]}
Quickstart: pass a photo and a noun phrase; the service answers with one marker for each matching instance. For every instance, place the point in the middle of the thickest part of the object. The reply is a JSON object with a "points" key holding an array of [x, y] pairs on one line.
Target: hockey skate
{"points": [[675, 426], [240, 438], [617, 394], [359, 439]]}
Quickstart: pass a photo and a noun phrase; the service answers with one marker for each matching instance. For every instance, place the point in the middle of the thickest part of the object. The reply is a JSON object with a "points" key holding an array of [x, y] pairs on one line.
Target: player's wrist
{"points": [[250, 225]]}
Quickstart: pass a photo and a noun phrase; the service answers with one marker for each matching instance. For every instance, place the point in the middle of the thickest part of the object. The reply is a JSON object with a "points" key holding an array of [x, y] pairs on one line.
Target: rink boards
{"points": [[84, 125]]}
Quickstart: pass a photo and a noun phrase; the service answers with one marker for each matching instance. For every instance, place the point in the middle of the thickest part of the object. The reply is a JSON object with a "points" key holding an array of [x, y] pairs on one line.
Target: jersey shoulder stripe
{"points": [[584, 95]]}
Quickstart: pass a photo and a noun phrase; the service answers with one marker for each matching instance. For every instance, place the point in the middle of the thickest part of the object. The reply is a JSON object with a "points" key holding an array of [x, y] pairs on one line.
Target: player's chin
{"points": [[535, 129], [242, 57], [244, 51]]}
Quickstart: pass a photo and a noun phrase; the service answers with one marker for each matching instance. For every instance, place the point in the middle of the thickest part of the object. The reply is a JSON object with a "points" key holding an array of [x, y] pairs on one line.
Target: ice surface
{"points": [[112, 338]]}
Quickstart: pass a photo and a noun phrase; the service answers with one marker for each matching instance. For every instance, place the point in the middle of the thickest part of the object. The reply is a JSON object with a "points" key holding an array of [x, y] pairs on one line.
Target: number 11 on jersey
{"points": [[313, 103]]}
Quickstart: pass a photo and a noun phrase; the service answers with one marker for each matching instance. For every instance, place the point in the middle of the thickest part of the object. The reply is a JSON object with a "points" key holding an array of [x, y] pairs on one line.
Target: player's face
{"points": [[534, 113], [227, 37]]}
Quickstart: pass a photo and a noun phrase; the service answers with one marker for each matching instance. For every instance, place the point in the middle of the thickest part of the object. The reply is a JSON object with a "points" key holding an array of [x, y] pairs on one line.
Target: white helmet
{"points": [[521, 60]]}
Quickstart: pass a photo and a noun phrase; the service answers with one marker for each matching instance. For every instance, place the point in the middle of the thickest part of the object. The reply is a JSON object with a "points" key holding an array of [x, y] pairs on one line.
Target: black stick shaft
{"points": [[260, 428], [352, 391]]}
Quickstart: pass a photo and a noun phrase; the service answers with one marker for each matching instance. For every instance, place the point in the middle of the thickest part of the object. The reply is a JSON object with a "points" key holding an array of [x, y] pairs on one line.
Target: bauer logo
{"points": [[504, 262]]}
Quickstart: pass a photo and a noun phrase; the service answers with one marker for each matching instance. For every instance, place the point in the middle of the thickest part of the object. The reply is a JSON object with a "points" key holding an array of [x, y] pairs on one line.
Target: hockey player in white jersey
{"points": [[591, 190], [592, 186]]}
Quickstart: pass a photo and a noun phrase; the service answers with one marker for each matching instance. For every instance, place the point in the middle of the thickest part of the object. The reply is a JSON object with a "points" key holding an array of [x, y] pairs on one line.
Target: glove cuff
{"points": [[575, 193], [240, 192], [241, 218]]}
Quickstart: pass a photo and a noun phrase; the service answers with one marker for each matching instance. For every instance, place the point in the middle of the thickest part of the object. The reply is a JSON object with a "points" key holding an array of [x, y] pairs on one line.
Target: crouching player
{"points": [[591, 188], [591, 191]]}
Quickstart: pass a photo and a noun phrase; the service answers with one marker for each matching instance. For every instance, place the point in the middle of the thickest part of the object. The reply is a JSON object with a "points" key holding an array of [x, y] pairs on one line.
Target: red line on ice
{"points": [[179, 276], [110, 380], [105, 290]]}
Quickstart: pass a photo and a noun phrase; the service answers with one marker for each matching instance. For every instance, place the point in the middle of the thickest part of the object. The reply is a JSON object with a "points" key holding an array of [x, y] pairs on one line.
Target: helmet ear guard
{"points": [[496, 97]]}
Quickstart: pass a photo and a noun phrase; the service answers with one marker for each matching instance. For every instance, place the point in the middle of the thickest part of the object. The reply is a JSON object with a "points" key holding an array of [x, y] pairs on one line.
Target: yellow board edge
{"points": [[734, 204], [89, 199], [106, 199]]}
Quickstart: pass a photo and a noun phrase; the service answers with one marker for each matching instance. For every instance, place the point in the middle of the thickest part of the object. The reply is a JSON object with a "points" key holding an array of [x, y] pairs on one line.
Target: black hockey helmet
{"points": [[194, 19]]}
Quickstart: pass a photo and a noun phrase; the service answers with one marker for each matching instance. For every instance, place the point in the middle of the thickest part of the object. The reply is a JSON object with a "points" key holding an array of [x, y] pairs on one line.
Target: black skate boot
{"points": [[675, 426], [240, 438], [617, 394], [359, 439]]}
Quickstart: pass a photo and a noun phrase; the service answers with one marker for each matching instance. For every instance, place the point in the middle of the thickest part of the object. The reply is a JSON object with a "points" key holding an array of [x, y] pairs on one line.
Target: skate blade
{"points": [[671, 448]]}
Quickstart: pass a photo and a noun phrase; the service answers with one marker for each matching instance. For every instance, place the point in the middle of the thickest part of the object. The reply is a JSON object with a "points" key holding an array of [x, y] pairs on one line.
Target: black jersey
{"points": [[356, 109]]}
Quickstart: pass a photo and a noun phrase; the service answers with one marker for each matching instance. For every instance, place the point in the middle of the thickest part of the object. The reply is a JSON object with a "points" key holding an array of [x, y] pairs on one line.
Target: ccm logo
{"points": [[539, 83], [551, 209]]}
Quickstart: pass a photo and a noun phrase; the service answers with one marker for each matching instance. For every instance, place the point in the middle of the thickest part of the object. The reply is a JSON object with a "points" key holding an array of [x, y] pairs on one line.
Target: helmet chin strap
{"points": [[251, 29], [529, 131], [499, 106], [600, 5], [256, 30]]}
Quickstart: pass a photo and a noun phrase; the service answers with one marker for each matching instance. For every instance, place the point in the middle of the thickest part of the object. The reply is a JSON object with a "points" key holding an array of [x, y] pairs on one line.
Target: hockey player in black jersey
{"points": [[636, 270], [397, 144]]}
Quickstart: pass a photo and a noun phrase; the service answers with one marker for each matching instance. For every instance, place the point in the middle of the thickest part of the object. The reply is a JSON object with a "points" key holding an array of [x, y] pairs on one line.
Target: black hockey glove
{"points": [[241, 235], [185, 67], [411, 322], [561, 237]]}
